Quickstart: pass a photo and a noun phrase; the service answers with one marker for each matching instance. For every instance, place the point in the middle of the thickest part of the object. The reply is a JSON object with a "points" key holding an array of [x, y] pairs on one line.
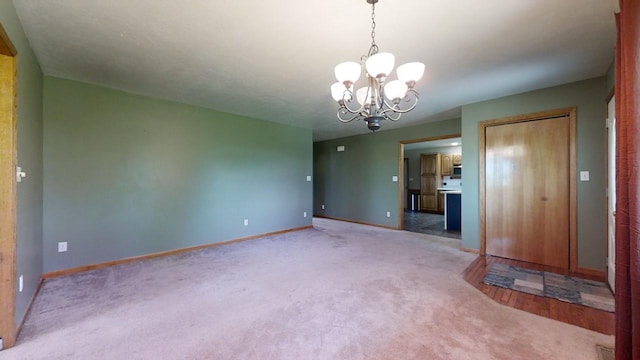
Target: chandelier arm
{"points": [[348, 119], [389, 115], [345, 105], [344, 113], [414, 98]]}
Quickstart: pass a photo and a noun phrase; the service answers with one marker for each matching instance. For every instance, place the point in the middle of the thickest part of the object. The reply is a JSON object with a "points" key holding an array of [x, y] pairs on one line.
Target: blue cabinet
{"points": [[453, 211]]}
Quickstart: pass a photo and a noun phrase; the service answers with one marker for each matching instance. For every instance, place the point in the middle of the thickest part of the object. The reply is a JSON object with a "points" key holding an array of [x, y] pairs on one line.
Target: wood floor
{"points": [[585, 317]]}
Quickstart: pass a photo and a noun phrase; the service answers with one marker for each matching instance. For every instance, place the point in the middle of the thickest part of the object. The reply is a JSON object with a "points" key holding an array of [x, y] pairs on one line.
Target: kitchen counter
{"points": [[450, 191]]}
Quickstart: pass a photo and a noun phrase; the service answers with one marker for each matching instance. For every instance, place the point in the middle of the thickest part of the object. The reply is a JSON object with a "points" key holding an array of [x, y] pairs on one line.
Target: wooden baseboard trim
{"points": [[599, 274], [28, 308], [356, 222], [472, 251], [79, 269]]}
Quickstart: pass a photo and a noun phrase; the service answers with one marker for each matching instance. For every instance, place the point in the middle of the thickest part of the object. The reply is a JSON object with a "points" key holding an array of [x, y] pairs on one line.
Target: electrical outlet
{"points": [[62, 246], [20, 283], [246, 222], [388, 213], [308, 177], [394, 178], [322, 207], [304, 214]]}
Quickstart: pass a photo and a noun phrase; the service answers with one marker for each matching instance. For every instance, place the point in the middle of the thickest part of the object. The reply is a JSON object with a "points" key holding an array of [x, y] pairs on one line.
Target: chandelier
{"points": [[379, 99]]}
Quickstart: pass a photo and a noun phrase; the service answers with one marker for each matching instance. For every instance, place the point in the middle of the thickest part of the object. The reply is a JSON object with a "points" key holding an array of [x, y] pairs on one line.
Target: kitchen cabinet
{"points": [[456, 159], [441, 202], [430, 179], [446, 164]]}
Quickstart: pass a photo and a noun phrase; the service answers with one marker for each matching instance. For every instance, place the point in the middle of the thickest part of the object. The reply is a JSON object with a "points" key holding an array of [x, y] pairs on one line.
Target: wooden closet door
{"points": [[527, 191]]}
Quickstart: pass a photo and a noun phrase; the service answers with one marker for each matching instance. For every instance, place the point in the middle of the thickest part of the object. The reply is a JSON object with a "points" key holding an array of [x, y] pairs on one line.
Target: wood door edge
{"points": [[8, 191], [401, 197], [481, 186], [573, 192], [6, 46]]}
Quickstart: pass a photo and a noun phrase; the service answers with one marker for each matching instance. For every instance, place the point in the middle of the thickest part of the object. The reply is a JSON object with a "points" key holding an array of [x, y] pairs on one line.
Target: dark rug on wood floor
{"points": [[594, 294]]}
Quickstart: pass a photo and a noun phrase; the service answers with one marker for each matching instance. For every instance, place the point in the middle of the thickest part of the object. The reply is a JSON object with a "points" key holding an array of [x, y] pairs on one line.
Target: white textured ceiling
{"points": [[274, 60]]}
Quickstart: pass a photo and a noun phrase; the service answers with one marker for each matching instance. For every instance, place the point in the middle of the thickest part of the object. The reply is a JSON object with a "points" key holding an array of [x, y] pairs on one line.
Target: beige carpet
{"points": [[338, 291]]}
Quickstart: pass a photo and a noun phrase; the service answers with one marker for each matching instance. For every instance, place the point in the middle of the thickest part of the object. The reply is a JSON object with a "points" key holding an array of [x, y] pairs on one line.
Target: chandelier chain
{"points": [[373, 24]]}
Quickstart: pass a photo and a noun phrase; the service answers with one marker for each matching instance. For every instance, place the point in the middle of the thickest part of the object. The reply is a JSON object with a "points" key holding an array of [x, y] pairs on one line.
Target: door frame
{"points": [[8, 149], [611, 190], [401, 145], [571, 113]]}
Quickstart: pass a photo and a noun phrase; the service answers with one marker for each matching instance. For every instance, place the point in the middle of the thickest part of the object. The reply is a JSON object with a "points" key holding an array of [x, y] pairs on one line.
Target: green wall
{"points": [[589, 97], [357, 184], [29, 191], [126, 175]]}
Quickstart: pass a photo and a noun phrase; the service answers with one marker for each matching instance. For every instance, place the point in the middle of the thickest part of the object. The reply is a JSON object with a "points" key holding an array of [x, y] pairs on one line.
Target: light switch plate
{"points": [[584, 176], [20, 174], [340, 148], [308, 177], [394, 178]]}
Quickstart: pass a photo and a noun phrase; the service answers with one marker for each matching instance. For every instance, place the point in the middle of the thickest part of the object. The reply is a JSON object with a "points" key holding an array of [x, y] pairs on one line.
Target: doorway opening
{"points": [[428, 181]]}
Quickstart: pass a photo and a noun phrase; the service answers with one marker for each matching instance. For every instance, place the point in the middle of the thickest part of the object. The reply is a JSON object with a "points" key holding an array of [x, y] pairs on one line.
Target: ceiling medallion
{"points": [[401, 97]]}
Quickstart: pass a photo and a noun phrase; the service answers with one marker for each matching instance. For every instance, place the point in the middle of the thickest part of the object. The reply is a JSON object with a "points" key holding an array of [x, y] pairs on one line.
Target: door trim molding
{"points": [[8, 149], [549, 114]]}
